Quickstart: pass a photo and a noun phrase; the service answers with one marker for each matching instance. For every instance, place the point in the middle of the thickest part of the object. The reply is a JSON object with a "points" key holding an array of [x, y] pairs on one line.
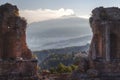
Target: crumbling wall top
{"points": [[12, 33], [101, 13], [9, 10]]}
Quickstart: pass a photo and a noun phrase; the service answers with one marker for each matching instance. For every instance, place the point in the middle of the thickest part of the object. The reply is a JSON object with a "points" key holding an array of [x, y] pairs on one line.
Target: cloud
{"points": [[84, 16], [45, 14]]}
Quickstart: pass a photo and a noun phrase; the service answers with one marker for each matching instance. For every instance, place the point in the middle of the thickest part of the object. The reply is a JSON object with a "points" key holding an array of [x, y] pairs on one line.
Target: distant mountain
{"points": [[79, 41], [58, 33], [63, 27]]}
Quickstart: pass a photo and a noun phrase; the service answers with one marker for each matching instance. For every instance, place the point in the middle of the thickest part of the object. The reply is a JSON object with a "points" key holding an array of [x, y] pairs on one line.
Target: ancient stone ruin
{"points": [[104, 54], [16, 62]]}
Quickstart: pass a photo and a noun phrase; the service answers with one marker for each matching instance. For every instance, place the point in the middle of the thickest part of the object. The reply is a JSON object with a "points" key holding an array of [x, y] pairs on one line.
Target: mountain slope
{"points": [[58, 33], [68, 50]]}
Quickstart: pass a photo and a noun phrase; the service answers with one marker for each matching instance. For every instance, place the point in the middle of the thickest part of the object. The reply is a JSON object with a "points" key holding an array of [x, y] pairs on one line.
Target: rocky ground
{"points": [[63, 76]]}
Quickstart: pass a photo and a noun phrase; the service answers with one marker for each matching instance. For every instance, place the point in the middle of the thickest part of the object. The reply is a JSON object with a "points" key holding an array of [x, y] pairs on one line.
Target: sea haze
{"points": [[58, 33]]}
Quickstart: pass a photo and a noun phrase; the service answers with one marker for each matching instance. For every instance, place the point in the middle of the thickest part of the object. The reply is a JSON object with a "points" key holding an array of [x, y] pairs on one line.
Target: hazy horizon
{"points": [[58, 33]]}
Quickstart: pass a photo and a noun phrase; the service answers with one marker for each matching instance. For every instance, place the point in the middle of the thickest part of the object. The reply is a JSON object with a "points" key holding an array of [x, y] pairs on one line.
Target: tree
{"points": [[52, 70], [74, 67], [68, 69], [61, 68]]}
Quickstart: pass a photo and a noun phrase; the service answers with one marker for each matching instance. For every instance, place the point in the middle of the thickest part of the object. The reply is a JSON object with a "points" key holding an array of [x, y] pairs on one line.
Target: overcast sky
{"points": [[39, 10]]}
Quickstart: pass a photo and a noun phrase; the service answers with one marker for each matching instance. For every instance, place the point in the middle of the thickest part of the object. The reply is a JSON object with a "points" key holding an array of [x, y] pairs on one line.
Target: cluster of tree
{"points": [[54, 59], [61, 68], [42, 55]]}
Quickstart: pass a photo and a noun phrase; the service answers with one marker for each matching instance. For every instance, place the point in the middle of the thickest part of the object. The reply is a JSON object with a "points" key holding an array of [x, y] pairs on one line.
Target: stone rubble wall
{"points": [[103, 61], [12, 33], [16, 61]]}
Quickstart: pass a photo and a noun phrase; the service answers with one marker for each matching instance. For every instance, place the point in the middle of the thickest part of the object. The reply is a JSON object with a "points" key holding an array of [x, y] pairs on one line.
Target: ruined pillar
{"points": [[94, 51], [105, 25], [104, 51], [15, 58], [107, 37]]}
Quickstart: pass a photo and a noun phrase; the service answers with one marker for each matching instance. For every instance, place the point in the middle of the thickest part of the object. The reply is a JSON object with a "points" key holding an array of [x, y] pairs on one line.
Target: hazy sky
{"points": [[50, 9]]}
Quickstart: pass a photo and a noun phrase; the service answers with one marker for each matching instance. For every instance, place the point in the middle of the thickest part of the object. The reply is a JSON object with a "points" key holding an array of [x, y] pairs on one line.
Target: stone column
{"points": [[107, 39], [94, 51]]}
